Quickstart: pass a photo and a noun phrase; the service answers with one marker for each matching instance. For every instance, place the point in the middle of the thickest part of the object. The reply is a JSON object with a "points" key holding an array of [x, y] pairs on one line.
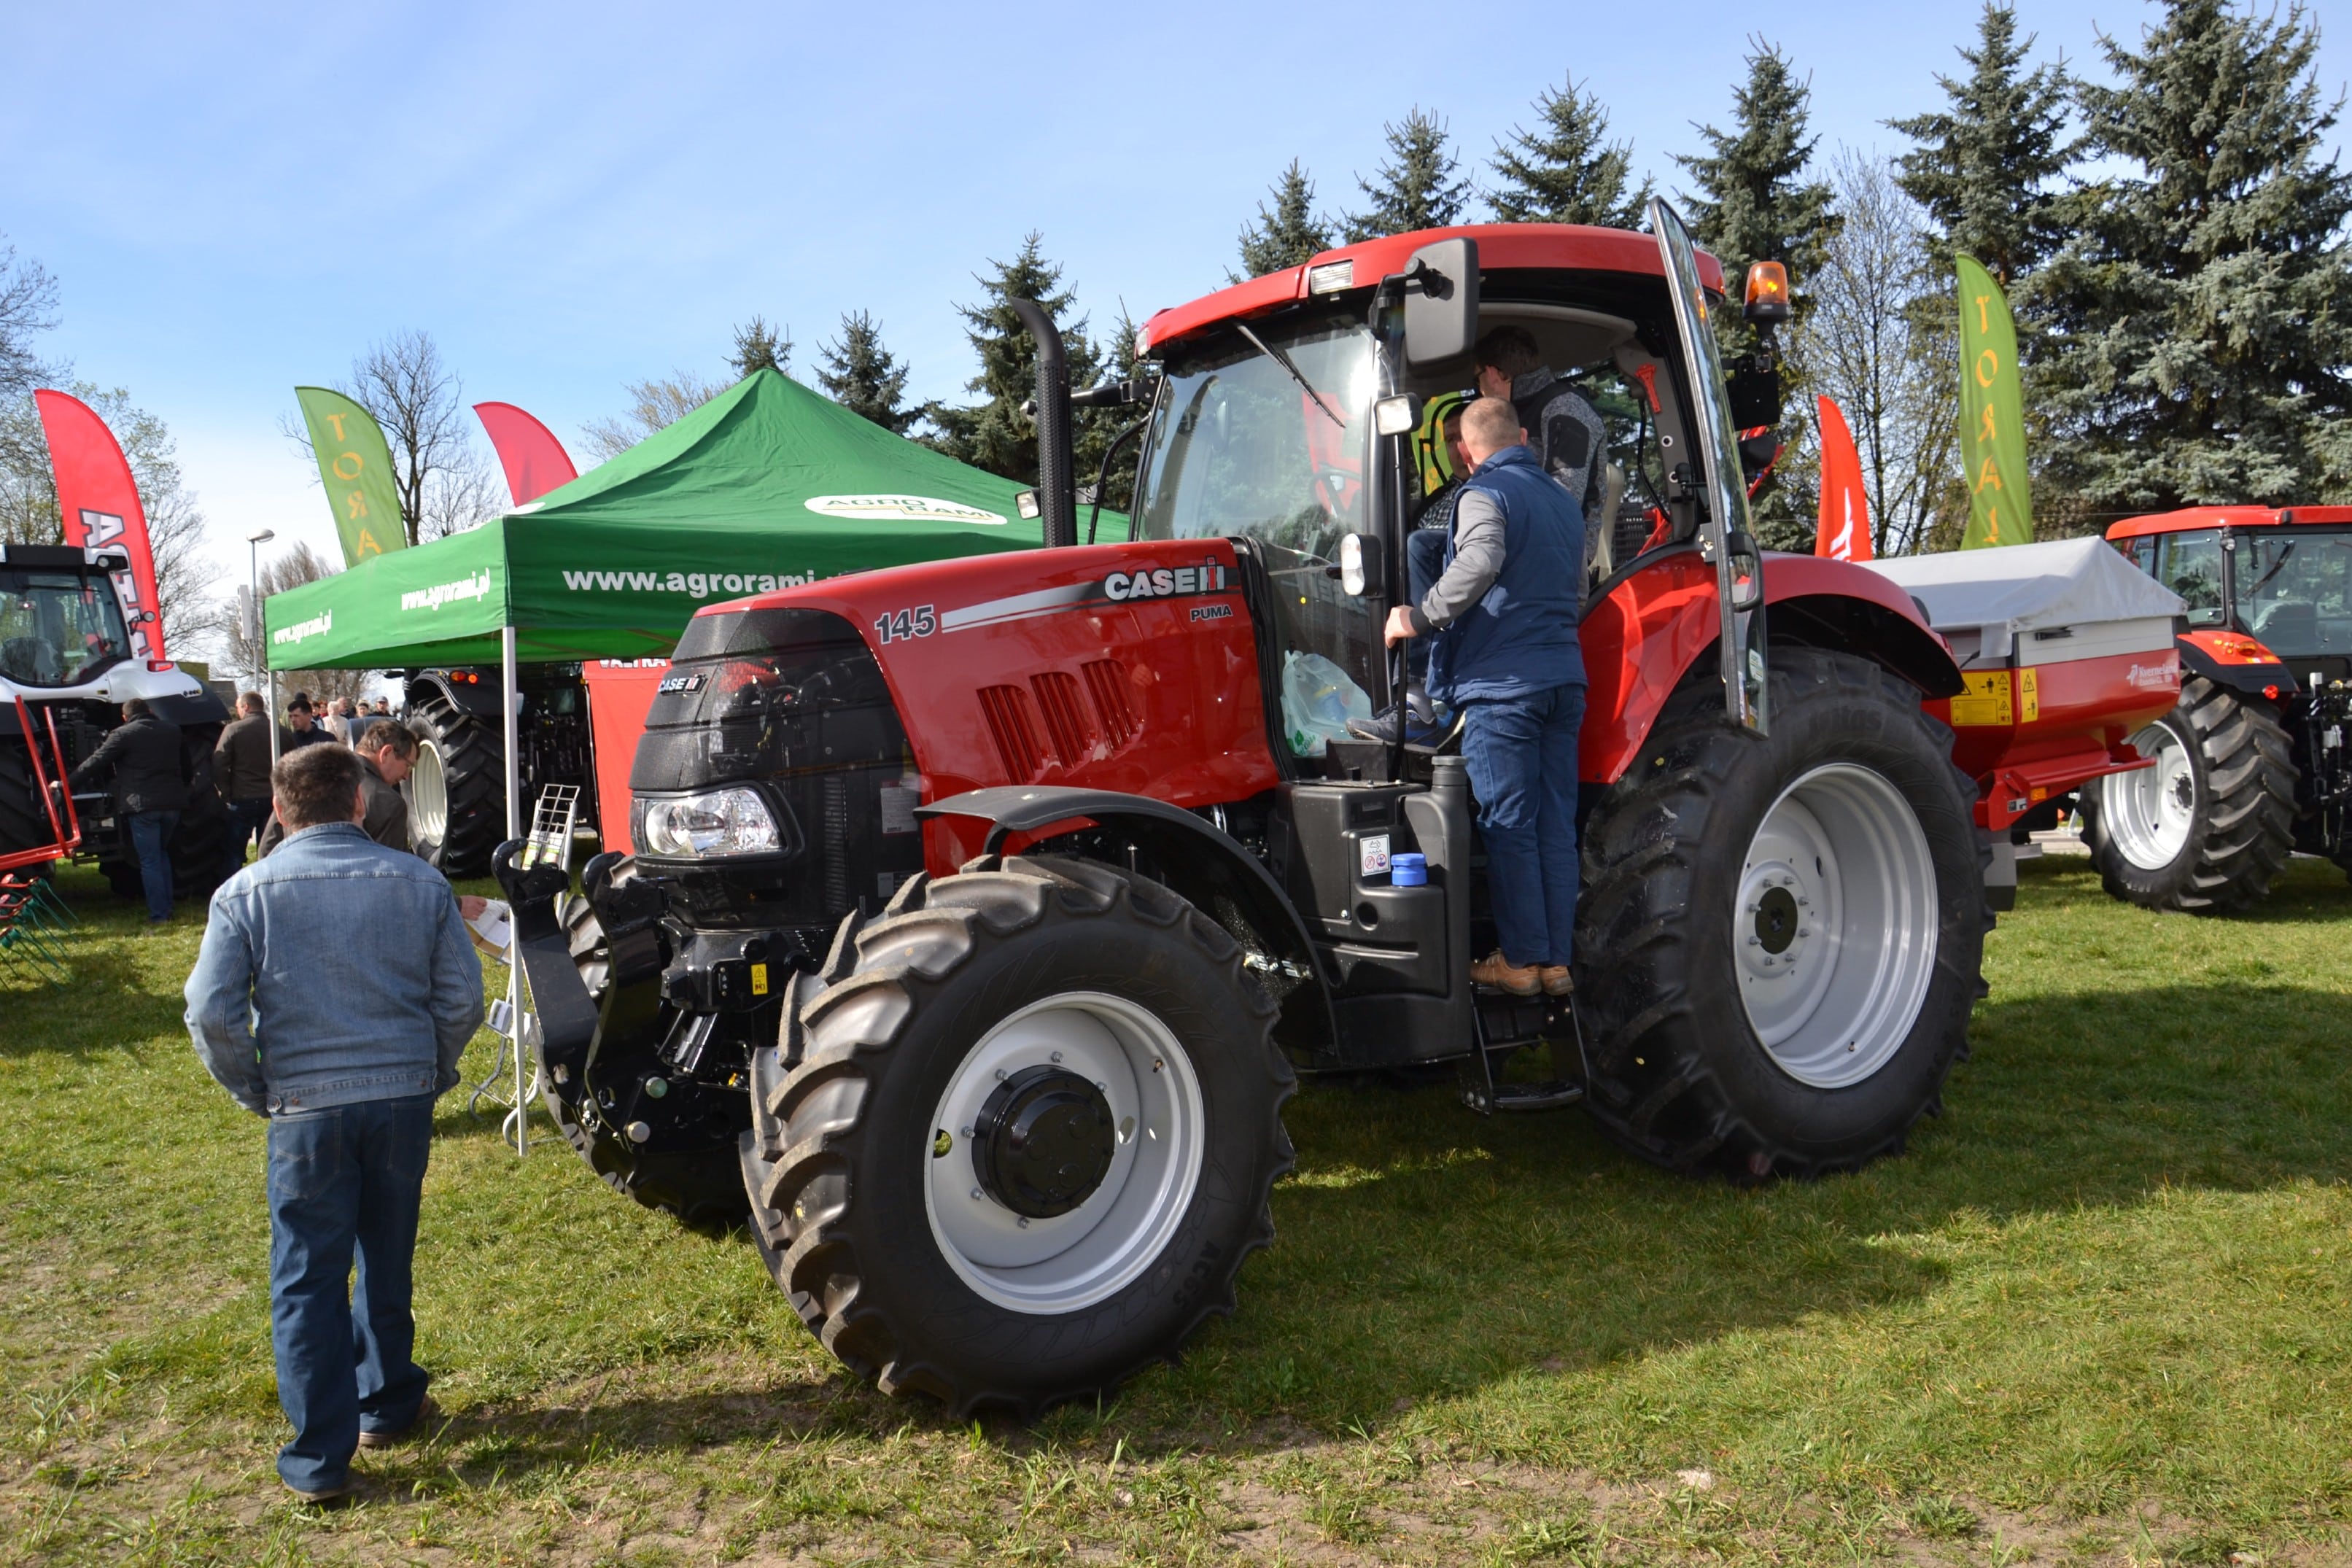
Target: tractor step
{"points": [[1506, 1023]]}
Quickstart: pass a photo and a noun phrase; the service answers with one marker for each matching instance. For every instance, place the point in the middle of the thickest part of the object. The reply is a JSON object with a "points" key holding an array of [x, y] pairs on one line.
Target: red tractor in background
{"points": [[982, 913], [2250, 766]]}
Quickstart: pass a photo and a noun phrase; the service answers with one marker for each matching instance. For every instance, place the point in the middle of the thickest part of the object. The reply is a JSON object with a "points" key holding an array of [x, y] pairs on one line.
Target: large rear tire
{"points": [[457, 791], [2206, 829], [1781, 936], [703, 1192], [1019, 1134]]}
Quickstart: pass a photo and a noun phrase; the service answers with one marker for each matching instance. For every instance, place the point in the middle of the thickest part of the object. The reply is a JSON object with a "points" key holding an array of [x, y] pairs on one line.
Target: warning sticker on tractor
{"points": [[1994, 699], [1373, 854]]}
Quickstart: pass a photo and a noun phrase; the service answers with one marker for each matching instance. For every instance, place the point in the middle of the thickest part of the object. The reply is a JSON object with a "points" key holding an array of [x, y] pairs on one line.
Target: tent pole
{"points": [[513, 735]]}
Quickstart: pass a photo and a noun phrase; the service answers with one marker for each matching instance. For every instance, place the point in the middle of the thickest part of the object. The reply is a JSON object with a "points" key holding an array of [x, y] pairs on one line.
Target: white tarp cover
{"points": [[2000, 593]]}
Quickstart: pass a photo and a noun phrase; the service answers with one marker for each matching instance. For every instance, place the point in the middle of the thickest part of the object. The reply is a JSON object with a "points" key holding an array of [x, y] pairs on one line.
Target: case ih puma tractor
{"points": [[983, 913], [68, 660], [2250, 766]]}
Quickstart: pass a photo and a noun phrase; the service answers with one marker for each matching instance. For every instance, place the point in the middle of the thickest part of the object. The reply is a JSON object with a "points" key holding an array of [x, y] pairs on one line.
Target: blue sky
{"points": [[237, 199]]}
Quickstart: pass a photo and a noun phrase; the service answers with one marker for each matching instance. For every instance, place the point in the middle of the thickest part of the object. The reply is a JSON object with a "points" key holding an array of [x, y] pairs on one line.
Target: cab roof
{"points": [[2226, 517], [1502, 247]]}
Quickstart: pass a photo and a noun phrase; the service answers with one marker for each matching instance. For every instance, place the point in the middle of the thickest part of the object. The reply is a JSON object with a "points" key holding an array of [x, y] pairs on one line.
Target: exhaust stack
{"points": [[1058, 491]]}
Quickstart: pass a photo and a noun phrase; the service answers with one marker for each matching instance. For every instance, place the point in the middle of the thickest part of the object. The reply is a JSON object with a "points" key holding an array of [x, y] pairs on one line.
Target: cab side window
{"points": [[2190, 566]]}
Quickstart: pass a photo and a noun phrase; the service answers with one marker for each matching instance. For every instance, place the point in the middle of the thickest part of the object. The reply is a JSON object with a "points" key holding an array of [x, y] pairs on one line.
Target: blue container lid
{"points": [[1409, 871]]}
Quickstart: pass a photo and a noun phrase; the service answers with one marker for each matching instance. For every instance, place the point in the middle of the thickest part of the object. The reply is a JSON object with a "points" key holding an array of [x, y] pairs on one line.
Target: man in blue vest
{"points": [[1503, 616]]}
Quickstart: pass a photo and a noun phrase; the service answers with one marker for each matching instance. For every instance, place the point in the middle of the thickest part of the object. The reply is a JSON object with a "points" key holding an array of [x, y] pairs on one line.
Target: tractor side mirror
{"points": [[1441, 303], [1746, 570], [1362, 565]]}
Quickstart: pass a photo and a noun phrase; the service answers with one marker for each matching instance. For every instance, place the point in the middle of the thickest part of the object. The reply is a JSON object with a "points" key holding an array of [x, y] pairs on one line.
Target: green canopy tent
{"points": [[766, 486]]}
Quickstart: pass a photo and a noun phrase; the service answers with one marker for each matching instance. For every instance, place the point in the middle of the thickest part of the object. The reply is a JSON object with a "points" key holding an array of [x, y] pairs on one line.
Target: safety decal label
{"points": [[1993, 699]]}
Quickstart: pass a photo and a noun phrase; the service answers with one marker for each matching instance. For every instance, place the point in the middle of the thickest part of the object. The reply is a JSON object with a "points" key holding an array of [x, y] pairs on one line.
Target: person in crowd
{"points": [[382, 709], [1564, 431], [348, 1091], [390, 750], [301, 727], [148, 789], [1503, 613], [347, 720], [241, 771]]}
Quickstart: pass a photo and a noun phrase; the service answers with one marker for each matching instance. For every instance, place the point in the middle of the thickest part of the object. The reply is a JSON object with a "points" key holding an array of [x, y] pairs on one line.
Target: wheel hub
{"points": [[1836, 928], [2150, 812], [1043, 1141], [429, 794]]}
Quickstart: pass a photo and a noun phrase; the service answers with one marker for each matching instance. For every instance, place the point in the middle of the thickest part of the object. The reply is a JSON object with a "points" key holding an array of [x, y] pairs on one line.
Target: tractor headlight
{"points": [[719, 822]]}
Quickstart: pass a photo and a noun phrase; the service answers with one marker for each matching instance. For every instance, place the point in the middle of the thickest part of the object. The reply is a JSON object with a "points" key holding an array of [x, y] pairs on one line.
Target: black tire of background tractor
{"points": [[473, 772], [24, 820], [1678, 1075], [2243, 827], [704, 1194], [841, 1121]]}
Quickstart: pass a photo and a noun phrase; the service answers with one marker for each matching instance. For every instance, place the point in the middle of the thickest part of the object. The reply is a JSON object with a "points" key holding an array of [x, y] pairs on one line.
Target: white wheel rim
{"points": [[2150, 811], [1835, 933], [1072, 1260], [428, 795]]}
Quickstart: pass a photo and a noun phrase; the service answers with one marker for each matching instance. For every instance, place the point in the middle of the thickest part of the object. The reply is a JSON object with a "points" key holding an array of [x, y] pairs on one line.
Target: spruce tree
{"points": [[1418, 186], [1984, 169], [861, 375], [2201, 317], [1563, 172], [995, 433], [759, 346], [1755, 205], [1288, 234]]}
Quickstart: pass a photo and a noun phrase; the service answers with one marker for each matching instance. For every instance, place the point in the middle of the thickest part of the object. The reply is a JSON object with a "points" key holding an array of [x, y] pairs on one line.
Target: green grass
{"points": [[2100, 1312]]}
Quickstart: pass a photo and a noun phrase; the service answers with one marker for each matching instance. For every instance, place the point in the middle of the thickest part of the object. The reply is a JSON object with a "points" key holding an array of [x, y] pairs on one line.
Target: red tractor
{"points": [[983, 913], [2250, 766]]}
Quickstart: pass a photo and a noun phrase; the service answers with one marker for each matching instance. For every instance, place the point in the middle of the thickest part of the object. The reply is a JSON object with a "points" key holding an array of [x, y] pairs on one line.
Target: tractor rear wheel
{"points": [[2206, 829], [702, 1191], [457, 791], [1781, 936], [1018, 1135]]}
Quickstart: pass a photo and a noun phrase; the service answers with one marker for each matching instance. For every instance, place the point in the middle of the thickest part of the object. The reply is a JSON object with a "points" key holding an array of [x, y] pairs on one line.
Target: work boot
{"points": [[1501, 972], [425, 1412], [1557, 980]]}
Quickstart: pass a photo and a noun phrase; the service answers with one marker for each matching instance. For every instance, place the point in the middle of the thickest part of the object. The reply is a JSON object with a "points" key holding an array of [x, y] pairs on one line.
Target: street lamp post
{"points": [[255, 541]]}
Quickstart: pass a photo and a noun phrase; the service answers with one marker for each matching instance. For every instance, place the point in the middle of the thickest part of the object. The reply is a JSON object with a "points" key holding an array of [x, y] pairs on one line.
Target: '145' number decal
{"points": [[917, 622]]}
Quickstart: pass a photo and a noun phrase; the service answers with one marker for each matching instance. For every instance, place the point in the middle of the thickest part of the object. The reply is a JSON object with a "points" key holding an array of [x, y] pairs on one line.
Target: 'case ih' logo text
{"points": [[1165, 581]]}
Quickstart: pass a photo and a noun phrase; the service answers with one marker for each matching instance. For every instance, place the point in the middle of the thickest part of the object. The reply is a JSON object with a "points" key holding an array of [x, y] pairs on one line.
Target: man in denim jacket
{"points": [[349, 1092]]}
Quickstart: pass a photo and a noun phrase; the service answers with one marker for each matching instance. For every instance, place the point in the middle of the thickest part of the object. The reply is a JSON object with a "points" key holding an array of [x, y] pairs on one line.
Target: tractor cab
{"points": [[1295, 417], [61, 622]]}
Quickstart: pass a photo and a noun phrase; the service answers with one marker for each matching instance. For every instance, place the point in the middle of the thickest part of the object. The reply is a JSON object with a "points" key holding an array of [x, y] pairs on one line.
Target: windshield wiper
{"points": [[1278, 357], [2275, 565]]}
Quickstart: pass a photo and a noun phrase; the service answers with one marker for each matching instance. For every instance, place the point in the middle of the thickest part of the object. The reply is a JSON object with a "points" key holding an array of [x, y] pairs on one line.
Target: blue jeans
{"points": [[1521, 753], [151, 841], [345, 1180], [246, 818], [1424, 563]]}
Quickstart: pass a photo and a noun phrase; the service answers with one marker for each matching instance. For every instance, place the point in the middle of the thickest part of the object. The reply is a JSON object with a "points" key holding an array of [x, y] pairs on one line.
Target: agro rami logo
{"points": [[902, 509]]}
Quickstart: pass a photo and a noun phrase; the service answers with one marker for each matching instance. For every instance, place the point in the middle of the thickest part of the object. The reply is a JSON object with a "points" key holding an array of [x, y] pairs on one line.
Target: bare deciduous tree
{"points": [[1877, 339], [444, 483], [654, 404], [289, 569]]}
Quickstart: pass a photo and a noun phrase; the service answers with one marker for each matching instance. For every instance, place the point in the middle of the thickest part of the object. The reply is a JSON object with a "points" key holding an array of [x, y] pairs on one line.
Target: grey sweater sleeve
{"points": [[1477, 562]]}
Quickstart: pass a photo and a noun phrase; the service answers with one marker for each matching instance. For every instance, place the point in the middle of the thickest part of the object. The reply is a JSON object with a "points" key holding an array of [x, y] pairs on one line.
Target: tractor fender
{"points": [[1200, 862], [2274, 682], [1658, 620], [478, 700]]}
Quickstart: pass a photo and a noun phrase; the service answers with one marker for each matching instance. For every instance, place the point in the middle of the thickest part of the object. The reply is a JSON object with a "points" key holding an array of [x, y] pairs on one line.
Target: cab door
{"points": [[1725, 533]]}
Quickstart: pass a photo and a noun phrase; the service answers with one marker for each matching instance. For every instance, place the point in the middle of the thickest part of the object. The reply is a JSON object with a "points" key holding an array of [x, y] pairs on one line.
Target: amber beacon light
{"points": [[1768, 292]]}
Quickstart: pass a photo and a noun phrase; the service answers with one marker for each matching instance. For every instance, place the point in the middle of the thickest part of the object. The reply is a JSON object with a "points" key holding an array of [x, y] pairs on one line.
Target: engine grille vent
{"points": [[1065, 717], [1007, 709], [1107, 684]]}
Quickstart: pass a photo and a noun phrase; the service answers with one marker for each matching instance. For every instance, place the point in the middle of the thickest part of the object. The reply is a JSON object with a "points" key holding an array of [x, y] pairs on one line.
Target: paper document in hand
{"points": [[493, 929]]}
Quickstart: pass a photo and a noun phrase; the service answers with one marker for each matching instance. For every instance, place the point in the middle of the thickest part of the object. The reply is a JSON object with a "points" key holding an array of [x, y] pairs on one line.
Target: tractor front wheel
{"points": [[1019, 1134], [1783, 935], [457, 791], [2208, 824]]}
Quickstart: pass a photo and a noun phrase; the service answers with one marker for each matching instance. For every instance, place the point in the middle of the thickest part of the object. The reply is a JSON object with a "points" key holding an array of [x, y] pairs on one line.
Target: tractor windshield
{"points": [[2294, 591], [57, 628], [1241, 448]]}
